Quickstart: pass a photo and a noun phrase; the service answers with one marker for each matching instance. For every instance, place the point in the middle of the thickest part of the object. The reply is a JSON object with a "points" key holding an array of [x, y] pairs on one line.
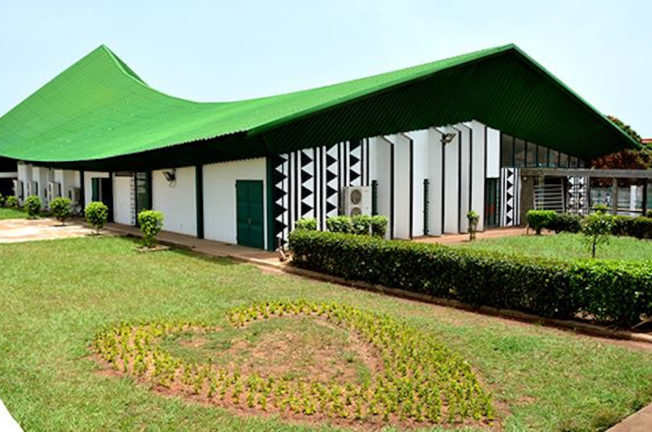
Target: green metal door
{"points": [[249, 213]]}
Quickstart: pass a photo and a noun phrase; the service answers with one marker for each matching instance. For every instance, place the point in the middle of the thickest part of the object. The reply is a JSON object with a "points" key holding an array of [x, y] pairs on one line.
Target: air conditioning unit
{"points": [[18, 189], [357, 200], [54, 191], [32, 188], [74, 193]]}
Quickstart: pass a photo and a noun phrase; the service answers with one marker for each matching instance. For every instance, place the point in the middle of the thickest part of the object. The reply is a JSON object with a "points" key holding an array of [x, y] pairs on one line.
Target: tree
{"points": [[597, 228], [61, 208], [628, 158], [97, 213]]}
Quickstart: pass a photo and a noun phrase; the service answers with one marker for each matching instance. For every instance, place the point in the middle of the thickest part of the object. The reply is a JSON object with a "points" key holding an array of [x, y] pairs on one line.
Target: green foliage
{"points": [[421, 380], [61, 208], [361, 225], [150, 222], [473, 217], [2, 200], [12, 202], [639, 227], [341, 224], [597, 228], [33, 206], [565, 222], [306, 224], [648, 213], [97, 213], [546, 287], [379, 225], [539, 219]]}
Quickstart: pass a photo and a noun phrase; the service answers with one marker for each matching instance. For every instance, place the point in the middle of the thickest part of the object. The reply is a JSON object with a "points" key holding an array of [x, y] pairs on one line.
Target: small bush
{"points": [[61, 209], [97, 213], [597, 228], [306, 224], [649, 213], [361, 224], [12, 202], [565, 222], [33, 206], [379, 225], [2, 200], [610, 291], [539, 219], [473, 217], [151, 222], [341, 224]]}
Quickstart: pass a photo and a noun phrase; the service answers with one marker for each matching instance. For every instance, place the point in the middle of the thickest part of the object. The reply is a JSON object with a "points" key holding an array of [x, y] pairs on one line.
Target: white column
{"points": [[478, 169], [451, 181], [435, 163]]}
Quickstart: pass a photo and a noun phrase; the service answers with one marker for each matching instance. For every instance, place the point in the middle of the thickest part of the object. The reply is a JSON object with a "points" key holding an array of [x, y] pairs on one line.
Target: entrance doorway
{"points": [[249, 213]]}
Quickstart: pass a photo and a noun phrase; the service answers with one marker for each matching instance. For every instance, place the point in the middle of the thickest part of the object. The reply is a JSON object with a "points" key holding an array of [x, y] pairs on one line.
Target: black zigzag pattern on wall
{"points": [[307, 183]]}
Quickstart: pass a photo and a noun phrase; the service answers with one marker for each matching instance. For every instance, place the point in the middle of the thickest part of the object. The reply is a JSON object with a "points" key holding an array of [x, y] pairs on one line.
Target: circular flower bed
{"points": [[419, 380]]}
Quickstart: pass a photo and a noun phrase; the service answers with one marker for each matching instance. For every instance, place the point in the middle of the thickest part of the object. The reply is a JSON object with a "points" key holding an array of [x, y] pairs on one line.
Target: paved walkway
{"points": [[7, 422], [464, 238], [22, 230], [637, 422]]}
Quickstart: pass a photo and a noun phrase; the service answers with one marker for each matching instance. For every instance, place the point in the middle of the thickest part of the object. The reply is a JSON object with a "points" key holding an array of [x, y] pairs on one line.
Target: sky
{"points": [[219, 50]]}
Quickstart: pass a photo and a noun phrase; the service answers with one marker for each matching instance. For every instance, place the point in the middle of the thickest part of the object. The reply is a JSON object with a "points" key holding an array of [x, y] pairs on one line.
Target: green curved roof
{"points": [[99, 109]]}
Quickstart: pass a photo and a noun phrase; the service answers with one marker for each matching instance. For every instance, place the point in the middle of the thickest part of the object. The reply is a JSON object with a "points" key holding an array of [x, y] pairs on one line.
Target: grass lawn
{"points": [[57, 295], [7, 213], [567, 245]]}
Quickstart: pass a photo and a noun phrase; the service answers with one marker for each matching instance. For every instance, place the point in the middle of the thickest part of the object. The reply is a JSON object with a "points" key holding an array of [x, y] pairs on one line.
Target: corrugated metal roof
{"points": [[100, 110]]}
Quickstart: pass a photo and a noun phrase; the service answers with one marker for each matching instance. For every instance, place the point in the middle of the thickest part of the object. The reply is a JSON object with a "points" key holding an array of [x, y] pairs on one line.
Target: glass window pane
{"points": [[542, 156], [572, 162], [531, 154], [519, 153], [553, 158], [563, 160], [507, 151], [581, 163]]}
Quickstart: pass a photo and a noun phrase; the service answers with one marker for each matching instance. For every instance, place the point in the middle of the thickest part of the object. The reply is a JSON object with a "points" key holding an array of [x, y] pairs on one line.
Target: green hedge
{"points": [[639, 227], [607, 291]]}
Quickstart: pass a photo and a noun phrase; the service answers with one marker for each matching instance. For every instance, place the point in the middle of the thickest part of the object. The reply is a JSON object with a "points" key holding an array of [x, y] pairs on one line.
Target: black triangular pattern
{"points": [[354, 176], [305, 192], [306, 158], [330, 160], [354, 159], [305, 209], [330, 176], [354, 145], [330, 207]]}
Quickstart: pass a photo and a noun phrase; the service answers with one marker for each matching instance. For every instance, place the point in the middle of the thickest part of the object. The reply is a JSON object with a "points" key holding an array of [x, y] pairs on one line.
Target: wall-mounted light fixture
{"points": [[447, 137], [171, 176]]}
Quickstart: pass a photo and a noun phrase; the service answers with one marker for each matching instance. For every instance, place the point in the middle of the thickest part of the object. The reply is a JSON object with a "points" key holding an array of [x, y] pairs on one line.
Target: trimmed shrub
{"points": [[12, 202], [539, 219], [151, 222], [649, 213], [341, 224], [473, 217], [615, 292], [565, 222], [33, 206], [61, 208], [306, 224], [379, 225], [361, 224], [97, 213], [2, 200]]}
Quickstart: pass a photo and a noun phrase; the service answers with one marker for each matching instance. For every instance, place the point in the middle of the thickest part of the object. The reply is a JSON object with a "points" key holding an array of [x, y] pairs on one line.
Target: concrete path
{"points": [[464, 238], [7, 422], [637, 422], [22, 230]]}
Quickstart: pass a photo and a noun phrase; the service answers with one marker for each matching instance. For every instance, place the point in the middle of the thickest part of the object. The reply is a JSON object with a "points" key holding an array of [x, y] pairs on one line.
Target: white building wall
{"points": [[421, 171], [435, 160], [380, 151], [88, 186], [478, 169], [67, 179], [451, 182], [493, 153], [124, 200], [176, 200], [465, 176], [402, 186], [220, 196]]}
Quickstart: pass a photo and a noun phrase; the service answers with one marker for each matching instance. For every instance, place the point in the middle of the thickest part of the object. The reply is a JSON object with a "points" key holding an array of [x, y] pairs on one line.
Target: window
{"points": [[542, 156], [142, 192], [531, 158], [506, 151], [563, 160], [573, 162], [519, 152], [553, 158]]}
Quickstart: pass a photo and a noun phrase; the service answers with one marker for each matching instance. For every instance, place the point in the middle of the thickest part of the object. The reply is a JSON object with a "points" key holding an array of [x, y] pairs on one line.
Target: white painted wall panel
{"points": [[421, 171], [493, 153], [123, 200], [380, 170], [451, 183], [177, 201], [464, 176], [402, 186], [88, 187], [435, 161], [220, 196], [478, 170]]}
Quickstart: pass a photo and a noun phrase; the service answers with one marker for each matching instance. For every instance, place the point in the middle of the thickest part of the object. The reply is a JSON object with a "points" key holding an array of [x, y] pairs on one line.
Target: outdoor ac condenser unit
{"points": [[18, 189], [74, 193], [54, 191], [357, 200]]}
